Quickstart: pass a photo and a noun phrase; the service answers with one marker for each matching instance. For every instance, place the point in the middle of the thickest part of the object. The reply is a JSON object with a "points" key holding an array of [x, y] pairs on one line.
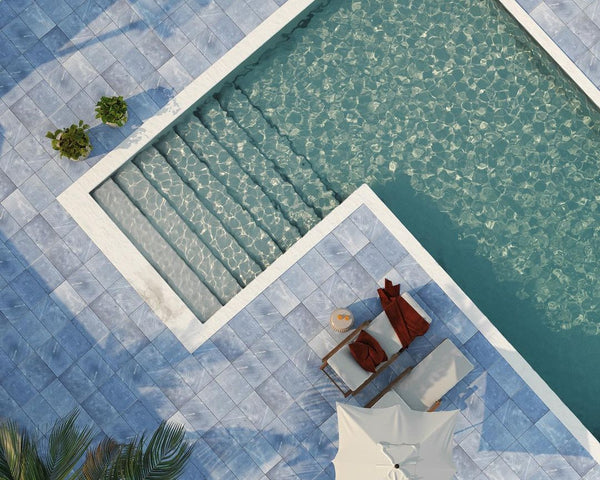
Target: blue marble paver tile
{"points": [[37, 20], [570, 43], [246, 327], [590, 65], [264, 312], [11, 304], [18, 387], [98, 408], [93, 15], [338, 291], [304, 464], [286, 337], [547, 19], [113, 351], [219, 441], [27, 287], [171, 35], [557, 467], [360, 273], [10, 266], [142, 105], [297, 420], [267, 351], [36, 371], [85, 284], [175, 74], [251, 368], [530, 403], [54, 178], [125, 295], [333, 251], [6, 14], [67, 299], [81, 245], [198, 414], [136, 64], [320, 447], [316, 266], [504, 374], [350, 236], [147, 321], [153, 49], [304, 323], [19, 207], [587, 31], [170, 347], [529, 5], [140, 418], [257, 411], [478, 450], [243, 467], [234, 384], [320, 305], [41, 413], [55, 356], [6, 186], [90, 326], [102, 269], [60, 398], [23, 73], [274, 394], [120, 80], [151, 359], [216, 399], [316, 407], [229, 343], [262, 453], [36, 192], [95, 368], [117, 393], [211, 358], [298, 281], [20, 34], [50, 314], [281, 297], [46, 274], [413, 274]]}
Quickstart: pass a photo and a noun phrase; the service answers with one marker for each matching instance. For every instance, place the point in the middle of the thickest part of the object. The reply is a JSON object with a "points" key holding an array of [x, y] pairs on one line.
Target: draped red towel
{"points": [[367, 352], [405, 320]]}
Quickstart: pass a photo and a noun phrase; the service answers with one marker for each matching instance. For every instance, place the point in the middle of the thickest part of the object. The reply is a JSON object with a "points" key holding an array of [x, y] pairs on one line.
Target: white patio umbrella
{"points": [[394, 443]]}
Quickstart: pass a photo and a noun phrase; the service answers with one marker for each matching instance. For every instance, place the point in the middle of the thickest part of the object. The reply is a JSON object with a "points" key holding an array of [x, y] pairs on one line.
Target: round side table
{"points": [[341, 320]]}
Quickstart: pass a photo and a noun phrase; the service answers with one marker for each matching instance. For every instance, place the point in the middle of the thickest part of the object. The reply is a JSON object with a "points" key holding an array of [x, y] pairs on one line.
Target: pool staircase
{"points": [[215, 200]]}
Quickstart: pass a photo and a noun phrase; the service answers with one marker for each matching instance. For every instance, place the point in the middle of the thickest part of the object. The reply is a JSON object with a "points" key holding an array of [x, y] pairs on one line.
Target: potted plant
{"points": [[112, 111], [72, 142]]}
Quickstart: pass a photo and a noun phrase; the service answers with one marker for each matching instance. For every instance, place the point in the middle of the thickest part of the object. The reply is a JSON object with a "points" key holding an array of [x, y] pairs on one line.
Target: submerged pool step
{"points": [[207, 226], [176, 232], [278, 150], [157, 251], [216, 198], [261, 169], [239, 184]]}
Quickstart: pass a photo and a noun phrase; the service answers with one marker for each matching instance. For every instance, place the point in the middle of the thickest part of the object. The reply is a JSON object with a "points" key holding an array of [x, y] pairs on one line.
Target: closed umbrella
{"points": [[394, 443]]}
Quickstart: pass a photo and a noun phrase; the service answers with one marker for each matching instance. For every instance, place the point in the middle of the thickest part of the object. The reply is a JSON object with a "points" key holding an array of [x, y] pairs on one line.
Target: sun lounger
{"points": [[422, 387], [348, 370]]}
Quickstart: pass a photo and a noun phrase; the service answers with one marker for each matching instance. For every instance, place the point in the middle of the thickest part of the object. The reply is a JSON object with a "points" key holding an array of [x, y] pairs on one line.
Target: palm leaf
{"points": [[164, 457], [19, 458], [66, 445], [100, 462]]}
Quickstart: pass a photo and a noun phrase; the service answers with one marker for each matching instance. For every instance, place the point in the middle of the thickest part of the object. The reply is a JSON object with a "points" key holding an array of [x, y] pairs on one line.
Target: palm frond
{"points": [[66, 445], [99, 463], [19, 458], [164, 457]]}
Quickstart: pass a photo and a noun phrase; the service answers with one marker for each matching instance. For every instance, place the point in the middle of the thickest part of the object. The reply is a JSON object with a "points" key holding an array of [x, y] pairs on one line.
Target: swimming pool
{"points": [[474, 139], [477, 142]]}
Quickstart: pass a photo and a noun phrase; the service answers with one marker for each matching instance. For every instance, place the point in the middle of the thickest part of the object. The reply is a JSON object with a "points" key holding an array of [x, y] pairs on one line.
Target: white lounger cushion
{"points": [[380, 328], [434, 376]]}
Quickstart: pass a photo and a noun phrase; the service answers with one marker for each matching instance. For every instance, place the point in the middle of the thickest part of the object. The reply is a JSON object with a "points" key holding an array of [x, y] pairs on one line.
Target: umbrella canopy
{"points": [[394, 443]]}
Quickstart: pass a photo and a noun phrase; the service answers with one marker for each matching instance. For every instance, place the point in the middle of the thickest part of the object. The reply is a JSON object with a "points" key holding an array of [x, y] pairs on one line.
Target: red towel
{"points": [[405, 320], [367, 351]]}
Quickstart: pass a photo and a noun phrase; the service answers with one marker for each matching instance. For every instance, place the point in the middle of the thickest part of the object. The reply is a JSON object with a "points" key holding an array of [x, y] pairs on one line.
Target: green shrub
{"points": [[112, 111], [72, 142]]}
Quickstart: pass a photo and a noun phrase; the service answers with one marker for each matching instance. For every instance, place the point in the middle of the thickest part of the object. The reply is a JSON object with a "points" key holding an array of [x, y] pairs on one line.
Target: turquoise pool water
{"points": [[477, 142]]}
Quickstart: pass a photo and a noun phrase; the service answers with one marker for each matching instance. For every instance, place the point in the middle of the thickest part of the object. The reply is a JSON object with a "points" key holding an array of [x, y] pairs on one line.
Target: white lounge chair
{"points": [[422, 387], [345, 366]]}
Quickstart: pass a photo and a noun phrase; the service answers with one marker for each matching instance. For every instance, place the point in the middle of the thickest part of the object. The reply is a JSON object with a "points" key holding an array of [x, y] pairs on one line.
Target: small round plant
{"points": [[72, 142], [112, 111]]}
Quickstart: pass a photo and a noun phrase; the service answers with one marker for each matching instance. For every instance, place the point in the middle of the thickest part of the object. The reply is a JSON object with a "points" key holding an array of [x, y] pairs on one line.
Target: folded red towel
{"points": [[405, 320], [367, 351]]}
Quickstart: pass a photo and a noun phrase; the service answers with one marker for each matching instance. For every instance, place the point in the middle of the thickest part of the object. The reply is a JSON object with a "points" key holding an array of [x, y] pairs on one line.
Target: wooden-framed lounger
{"points": [[421, 387], [340, 359]]}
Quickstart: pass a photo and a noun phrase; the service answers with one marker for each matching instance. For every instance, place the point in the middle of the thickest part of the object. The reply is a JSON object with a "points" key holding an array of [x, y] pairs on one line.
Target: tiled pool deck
{"points": [[74, 333]]}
